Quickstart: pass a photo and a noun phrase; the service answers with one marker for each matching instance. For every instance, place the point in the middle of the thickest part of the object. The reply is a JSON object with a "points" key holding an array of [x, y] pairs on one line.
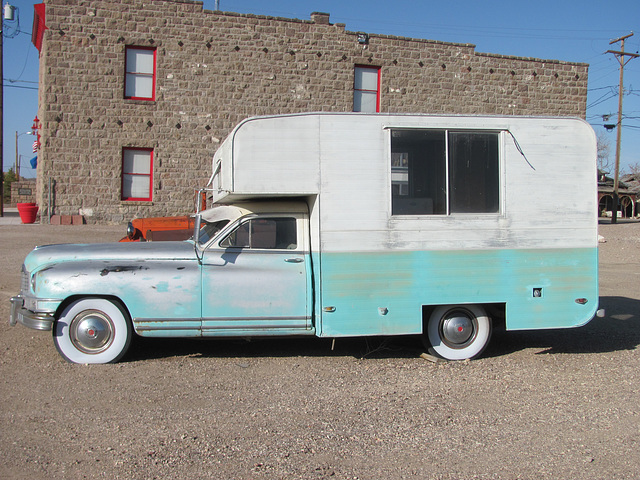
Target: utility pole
{"points": [[7, 14], [1, 125], [17, 172], [620, 56]]}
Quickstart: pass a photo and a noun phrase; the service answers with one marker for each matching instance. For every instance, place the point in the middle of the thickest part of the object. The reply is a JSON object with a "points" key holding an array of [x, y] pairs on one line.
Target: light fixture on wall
{"points": [[36, 125], [363, 38]]}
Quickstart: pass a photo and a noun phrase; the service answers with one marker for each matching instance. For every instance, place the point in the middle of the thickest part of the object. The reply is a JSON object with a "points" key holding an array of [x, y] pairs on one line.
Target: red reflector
{"points": [[581, 301]]}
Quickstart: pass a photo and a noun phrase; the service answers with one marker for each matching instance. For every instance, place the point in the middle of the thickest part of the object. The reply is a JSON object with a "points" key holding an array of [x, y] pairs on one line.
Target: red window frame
{"points": [[137, 174], [128, 48], [378, 70]]}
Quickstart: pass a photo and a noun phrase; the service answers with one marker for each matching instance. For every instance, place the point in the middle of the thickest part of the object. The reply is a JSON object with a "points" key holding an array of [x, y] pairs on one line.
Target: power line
{"points": [[602, 99], [15, 80], [20, 86]]}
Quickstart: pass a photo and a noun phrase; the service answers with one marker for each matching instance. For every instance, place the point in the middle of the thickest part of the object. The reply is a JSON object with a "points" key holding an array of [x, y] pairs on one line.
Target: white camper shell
{"points": [[430, 223]]}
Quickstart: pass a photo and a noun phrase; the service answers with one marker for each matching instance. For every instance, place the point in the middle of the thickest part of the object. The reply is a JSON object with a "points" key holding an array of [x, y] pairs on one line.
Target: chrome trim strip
{"points": [[255, 319], [178, 324], [256, 327], [140, 328], [258, 251], [269, 323]]}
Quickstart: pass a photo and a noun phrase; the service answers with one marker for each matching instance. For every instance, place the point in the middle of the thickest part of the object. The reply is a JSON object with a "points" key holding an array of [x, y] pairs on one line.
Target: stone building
{"points": [[136, 96]]}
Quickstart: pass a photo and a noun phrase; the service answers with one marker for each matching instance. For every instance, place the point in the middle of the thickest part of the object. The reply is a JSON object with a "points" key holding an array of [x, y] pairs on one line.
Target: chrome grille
{"points": [[24, 283]]}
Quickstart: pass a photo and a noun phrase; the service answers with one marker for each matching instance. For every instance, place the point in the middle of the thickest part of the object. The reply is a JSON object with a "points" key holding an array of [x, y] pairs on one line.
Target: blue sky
{"points": [[570, 30]]}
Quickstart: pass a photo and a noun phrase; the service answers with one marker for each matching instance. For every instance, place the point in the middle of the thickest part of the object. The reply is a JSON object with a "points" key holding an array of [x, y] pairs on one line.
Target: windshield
{"points": [[210, 230]]}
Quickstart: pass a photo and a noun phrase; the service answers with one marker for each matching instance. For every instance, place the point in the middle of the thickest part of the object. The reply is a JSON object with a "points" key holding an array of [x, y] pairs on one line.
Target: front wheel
{"points": [[458, 332], [92, 330]]}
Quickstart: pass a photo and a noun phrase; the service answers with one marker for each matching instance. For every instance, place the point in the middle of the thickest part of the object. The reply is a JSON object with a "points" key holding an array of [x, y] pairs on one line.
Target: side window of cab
{"points": [[272, 233]]}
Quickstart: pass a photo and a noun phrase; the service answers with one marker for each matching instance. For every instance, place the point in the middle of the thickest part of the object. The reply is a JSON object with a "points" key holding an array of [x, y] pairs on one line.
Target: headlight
{"points": [[33, 282], [130, 230]]}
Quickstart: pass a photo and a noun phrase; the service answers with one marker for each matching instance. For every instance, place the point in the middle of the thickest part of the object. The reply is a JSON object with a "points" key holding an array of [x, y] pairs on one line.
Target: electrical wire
{"points": [[24, 66], [519, 148], [602, 99], [21, 87]]}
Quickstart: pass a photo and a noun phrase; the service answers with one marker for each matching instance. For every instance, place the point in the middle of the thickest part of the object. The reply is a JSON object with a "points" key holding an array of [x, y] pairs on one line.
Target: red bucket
{"points": [[28, 212]]}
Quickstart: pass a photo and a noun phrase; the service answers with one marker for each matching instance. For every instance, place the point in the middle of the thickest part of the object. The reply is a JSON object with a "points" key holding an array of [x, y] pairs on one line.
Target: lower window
{"points": [[137, 174]]}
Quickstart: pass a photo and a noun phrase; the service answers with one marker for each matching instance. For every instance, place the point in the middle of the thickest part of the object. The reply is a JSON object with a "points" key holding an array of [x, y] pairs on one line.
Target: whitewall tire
{"points": [[92, 330], [458, 332]]}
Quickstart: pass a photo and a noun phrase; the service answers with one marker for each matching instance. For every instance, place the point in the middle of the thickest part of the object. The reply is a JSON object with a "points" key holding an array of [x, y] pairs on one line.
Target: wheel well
{"points": [[115, 300], [495, 311]]}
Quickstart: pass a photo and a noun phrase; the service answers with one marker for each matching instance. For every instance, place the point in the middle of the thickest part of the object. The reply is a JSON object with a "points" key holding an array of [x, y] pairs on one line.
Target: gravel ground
{"points": [[537, 405]]}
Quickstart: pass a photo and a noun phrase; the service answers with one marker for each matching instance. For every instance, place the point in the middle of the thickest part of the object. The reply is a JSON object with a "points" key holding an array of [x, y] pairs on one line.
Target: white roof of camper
{"points": [[547, 169]]}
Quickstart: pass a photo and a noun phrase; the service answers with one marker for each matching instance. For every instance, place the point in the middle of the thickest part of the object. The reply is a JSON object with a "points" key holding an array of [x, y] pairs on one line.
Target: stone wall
{"points": [[214, 69], [23, 192]]}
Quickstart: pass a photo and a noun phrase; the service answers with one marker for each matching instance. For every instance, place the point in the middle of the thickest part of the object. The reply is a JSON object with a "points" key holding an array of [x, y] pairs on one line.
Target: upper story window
{"points": [[366, 89], [140, 73], [440, 172], [137, 174]]}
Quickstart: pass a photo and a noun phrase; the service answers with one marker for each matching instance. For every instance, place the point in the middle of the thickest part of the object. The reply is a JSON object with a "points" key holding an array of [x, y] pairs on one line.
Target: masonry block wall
{"points": [[214, 69], [23, 192]]}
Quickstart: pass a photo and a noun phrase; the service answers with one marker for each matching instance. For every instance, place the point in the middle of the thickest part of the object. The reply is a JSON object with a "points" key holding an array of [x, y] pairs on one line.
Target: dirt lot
{"points": [[537, 405]]}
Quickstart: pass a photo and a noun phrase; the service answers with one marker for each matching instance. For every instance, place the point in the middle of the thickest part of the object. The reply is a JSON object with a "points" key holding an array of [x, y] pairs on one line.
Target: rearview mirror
{"points": [[196, 228]]}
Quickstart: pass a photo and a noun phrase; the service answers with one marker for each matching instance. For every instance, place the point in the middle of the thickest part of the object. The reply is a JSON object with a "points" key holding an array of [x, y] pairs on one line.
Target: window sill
{"points": [[140, 203], [139, 101]]}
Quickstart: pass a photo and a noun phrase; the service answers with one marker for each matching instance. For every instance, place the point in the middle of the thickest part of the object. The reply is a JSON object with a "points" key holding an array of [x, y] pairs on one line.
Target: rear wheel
{"points": [[458, 332], [92, 330]]}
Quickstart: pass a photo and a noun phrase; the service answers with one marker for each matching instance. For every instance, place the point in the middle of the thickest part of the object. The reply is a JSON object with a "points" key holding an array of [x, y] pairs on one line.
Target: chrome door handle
{"points": [[294, 260]]}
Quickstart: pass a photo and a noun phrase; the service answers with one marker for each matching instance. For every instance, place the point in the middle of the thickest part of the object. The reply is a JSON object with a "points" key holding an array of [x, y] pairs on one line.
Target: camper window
{"points": [[440, 172]]}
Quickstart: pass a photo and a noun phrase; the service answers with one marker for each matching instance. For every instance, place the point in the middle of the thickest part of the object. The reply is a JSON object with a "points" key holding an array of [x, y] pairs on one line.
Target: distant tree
{"points": [[9, 178], [633, 169], [604, 150]]}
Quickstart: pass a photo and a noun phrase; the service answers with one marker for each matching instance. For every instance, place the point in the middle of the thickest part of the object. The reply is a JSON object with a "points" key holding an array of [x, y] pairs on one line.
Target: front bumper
{"points": [[35, 320]]}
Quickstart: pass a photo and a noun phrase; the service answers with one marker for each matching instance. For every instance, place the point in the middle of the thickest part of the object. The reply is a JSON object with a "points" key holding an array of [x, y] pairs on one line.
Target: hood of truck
{"points": [[108, 252]]}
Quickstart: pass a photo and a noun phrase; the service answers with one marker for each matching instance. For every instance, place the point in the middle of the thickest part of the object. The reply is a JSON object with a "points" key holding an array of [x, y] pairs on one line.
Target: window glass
{"points": [[136, 161], [140, 60], [473, 172], [365, 101], [418, 172], [366, 93], [139, 86], [366, 78], [139, 73], [137, 166], [134, 186], [209, 230], [436, 172], [264, 233], [239, 238]]}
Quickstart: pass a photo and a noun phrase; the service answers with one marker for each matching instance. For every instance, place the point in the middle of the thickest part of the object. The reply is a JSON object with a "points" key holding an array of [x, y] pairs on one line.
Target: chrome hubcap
{"points": [[458, 328], [91, 331]]}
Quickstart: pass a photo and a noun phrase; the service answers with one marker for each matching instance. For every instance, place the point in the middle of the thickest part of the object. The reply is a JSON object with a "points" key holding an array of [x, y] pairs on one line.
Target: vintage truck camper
{"points": [[341, 225]]}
